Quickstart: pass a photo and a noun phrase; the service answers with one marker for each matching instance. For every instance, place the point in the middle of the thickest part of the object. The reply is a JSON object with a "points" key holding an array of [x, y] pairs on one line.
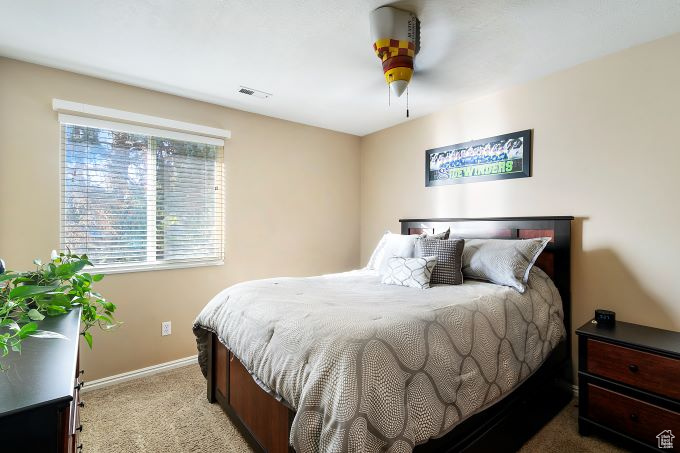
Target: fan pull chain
{"points": [[407, 102], [389, 94]]}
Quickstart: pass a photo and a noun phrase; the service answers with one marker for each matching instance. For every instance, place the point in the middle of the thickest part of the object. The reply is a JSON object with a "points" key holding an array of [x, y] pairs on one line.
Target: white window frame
{"points": [[129, 122]]}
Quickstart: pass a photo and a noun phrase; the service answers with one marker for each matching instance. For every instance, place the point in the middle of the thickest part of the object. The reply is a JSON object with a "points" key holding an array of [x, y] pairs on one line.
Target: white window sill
{"points": [[140, 267]]}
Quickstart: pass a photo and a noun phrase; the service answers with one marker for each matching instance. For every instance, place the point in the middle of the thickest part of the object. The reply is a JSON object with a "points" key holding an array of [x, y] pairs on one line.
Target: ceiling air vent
{"points": [[253, 92]]}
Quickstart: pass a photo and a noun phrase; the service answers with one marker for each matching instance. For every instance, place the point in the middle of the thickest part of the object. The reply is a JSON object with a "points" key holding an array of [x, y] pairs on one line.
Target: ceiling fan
{"points": [[396, 39], [395, 34]]}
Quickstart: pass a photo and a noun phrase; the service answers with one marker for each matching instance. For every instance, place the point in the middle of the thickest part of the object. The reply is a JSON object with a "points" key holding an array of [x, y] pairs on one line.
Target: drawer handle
{"points": [[634, 417], [633, 368]]}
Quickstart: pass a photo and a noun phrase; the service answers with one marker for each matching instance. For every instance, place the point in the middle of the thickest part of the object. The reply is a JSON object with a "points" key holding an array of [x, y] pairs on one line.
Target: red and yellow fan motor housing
{"points": [[395, 34]]}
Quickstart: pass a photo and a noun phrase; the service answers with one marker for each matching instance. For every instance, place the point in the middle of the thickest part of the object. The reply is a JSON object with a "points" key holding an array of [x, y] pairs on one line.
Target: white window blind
{"points": [[137, 198]]}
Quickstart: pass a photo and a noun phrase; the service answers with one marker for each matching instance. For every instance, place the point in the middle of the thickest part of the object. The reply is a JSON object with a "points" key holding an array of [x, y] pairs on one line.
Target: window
{"points": [[136, 198]]}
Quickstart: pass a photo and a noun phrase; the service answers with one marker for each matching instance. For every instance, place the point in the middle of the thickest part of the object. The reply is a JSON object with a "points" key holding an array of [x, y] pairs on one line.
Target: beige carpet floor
{"points": [[169, 412]]}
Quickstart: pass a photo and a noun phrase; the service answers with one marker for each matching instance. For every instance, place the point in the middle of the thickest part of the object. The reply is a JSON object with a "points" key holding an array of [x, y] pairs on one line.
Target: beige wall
{"points": [[292, 206], [606, 150]]}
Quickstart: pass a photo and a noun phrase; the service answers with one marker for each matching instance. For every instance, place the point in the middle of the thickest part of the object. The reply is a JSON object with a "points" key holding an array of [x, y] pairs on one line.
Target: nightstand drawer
{"points": [[640, 420], [643, 370]]}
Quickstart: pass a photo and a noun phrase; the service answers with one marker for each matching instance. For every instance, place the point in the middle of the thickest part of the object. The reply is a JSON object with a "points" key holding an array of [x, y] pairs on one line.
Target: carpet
{"points": [[169, 412]]}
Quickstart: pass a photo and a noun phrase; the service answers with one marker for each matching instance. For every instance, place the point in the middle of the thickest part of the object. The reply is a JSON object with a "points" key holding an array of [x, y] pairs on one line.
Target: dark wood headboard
{"points": [[555, 259]]}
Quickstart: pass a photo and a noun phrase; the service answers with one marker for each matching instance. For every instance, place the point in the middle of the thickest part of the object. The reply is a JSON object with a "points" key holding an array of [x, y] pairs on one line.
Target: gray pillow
{"points": [[443, 235], [413, 272], [502, 261], [449, 258]]}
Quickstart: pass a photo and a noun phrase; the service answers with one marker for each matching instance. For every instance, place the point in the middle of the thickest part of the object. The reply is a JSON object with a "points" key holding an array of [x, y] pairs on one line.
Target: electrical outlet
{"points": [[166, 328]]}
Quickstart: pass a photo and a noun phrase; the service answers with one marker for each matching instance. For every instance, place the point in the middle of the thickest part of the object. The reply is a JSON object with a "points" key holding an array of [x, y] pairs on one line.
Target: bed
{"points": [[343, 363]]}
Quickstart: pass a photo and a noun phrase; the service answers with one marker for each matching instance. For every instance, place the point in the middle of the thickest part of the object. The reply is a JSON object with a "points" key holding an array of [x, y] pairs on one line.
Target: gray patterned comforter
{"points": [[371, 367]]}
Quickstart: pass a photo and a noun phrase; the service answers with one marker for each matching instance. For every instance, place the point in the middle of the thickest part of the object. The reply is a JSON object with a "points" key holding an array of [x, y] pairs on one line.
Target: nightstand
{"points": [[629, 384]]}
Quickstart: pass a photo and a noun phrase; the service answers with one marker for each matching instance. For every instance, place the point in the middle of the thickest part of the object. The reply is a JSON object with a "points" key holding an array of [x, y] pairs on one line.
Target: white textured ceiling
{"points": [[316, 55]]}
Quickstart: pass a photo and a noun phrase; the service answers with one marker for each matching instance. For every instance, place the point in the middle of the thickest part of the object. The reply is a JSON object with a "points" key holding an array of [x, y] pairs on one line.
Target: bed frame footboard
{"points": [[262, 420], [504, 427]]}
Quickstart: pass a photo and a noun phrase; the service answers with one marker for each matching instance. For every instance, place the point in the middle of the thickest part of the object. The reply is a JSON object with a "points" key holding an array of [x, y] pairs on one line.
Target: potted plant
{"points": [[52, 289]]}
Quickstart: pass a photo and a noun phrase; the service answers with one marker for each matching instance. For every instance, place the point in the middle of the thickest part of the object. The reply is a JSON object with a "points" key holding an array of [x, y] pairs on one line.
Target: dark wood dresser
{"points": [[629, 384], [39, 391]]}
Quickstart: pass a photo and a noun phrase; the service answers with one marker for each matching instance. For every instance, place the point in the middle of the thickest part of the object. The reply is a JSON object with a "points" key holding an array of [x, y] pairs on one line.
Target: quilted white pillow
{"points": [[391, 245], [413, 272], [377, 252]]}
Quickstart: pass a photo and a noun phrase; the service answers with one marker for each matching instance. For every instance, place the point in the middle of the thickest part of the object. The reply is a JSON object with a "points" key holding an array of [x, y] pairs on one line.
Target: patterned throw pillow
{"points": [[443, 235], [413, 272], [502, 261], [449, 258]]}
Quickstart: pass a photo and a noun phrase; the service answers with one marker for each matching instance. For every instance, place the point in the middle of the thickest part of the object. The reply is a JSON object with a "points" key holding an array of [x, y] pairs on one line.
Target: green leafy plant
{"points": [[52, 289]]}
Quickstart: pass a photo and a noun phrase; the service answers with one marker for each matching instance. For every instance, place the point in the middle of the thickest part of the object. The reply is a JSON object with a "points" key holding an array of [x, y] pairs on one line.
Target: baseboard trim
{"points": [[137, 374], [574, 390], [154, 369]]}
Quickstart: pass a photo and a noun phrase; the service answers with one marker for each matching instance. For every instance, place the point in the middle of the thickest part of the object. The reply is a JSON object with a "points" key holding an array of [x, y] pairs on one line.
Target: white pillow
{"points": [[391, 245], [377, 252], [413, 272]]}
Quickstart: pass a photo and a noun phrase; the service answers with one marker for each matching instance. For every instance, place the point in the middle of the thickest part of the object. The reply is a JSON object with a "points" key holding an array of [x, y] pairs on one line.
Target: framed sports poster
{"points": [[502, 157]]}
